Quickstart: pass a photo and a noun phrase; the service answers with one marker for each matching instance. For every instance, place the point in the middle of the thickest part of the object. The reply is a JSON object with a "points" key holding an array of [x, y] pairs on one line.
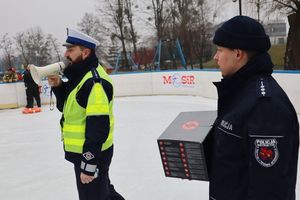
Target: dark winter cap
{"points": [[242, 32]]}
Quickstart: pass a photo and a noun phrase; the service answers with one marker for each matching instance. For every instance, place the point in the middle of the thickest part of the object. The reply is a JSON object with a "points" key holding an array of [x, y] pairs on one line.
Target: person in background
{"points": [[87, 124], [10, 75], [252, 149], [32, 92]]}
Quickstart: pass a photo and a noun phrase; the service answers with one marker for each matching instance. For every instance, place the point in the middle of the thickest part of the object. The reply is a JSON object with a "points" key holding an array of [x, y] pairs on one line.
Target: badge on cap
{"points": [[266, 152]]}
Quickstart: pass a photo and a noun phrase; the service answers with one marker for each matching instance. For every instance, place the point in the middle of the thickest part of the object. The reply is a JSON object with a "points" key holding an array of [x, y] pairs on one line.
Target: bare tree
{"points": [[160, 16], [292, 9], [129, 16], [6, 45], [191, 23], [92, 26], [185, 10], [202, 46], [55, 47], [216, 8], [34, 47], [20, 43], [114, 11], [258, 4]]}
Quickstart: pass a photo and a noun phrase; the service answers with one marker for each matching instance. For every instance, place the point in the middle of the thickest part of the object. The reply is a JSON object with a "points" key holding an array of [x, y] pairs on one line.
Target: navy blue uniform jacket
{"points": [[252, 149]]}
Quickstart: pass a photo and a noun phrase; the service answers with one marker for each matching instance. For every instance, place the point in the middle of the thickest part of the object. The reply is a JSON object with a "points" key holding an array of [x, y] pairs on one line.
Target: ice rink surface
{"points": [[32, 159]]}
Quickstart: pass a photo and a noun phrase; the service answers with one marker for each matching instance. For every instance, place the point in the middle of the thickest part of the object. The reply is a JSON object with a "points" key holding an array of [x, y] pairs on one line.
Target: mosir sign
{"points": [[179, 80]]}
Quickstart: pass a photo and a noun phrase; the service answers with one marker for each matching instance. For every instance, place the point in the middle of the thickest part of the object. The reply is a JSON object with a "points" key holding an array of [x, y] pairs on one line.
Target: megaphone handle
{"points": [[51, 101]]}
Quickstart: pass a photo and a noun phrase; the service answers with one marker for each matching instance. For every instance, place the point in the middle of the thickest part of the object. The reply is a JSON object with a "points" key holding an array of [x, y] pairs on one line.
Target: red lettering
{"points": [[192, 78], [167, 79], [184, 79], [188, 80]]}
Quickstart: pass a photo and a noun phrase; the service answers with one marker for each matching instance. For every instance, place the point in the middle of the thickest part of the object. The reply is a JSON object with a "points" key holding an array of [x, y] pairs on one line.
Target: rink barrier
{"points": [[196, 83]]}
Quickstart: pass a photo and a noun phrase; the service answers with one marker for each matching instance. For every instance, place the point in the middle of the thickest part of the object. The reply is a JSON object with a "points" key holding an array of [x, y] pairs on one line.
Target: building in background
{"points": [[277, 31]]}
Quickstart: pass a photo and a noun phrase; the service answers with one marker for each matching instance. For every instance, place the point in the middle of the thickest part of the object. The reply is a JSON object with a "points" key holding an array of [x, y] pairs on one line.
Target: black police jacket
{"points": [[252, 149]]}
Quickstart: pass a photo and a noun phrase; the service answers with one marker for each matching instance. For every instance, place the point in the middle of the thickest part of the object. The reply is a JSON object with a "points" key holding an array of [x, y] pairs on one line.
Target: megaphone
{"points": [[38, 73]]}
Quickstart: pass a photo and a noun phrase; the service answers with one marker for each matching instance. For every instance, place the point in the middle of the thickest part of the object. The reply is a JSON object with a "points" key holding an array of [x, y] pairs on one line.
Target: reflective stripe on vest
{"points": [[75, 115], [97, 103]]}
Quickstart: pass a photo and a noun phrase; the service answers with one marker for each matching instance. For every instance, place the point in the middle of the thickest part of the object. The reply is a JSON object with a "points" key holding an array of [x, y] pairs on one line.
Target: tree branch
{"points": [[284, 4], [297, 3]]}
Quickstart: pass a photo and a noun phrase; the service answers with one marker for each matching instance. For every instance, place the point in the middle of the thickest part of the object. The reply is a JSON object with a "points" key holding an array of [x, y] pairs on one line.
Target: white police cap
{"points": [[78, 38]]}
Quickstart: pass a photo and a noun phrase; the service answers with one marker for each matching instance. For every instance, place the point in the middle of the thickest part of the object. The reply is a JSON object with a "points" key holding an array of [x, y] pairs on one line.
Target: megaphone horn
{"points": [[38, 73]]}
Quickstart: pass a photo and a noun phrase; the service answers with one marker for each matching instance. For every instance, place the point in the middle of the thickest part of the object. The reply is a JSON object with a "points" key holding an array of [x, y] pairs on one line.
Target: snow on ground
{"points": [[32, 159]]}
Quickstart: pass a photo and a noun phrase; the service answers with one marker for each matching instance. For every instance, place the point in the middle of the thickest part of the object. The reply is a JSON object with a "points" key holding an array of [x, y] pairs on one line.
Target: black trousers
{"points": [[100, 188], [33, 92], [113, 194]]}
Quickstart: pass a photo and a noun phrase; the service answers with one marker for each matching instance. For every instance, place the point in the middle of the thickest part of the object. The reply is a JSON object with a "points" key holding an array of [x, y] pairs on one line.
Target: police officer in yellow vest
{"points": [[86, 101]]}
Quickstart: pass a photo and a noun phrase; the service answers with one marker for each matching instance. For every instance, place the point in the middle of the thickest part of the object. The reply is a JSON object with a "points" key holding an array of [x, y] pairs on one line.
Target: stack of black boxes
{"points": [[181, 145]]}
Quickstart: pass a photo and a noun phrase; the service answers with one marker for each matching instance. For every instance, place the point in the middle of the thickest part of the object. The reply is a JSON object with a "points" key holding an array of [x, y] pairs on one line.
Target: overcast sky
{"points": [[53, 16]]}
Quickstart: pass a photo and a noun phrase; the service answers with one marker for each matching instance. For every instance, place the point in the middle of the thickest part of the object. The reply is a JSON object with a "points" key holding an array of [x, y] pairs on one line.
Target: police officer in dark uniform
{"points": [[252, 149]]}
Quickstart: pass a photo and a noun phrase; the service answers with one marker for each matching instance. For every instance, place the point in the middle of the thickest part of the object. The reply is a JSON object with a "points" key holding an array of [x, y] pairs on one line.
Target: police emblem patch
{"points": [[88, 156], [266, 152]]}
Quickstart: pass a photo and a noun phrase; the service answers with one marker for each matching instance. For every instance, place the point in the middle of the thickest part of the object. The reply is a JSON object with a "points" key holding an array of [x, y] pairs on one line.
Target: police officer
{"points": [[86, 101], [252, 149]]}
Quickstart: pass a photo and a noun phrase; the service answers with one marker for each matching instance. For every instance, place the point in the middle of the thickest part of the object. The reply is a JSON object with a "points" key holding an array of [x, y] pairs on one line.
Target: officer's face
{"points": [[76, 53], [227, 60]]}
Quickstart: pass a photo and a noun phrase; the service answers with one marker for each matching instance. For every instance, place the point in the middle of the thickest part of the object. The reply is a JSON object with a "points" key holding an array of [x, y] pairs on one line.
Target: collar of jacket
{"points": [[259, 65]]}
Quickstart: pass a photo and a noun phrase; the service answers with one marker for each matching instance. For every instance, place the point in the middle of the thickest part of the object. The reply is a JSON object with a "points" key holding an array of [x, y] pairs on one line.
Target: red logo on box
{"points": [[190, 125]]}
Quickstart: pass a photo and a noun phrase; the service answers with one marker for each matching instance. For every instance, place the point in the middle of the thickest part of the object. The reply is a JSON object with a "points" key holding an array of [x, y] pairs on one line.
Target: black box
{"points": [[181, 145]]}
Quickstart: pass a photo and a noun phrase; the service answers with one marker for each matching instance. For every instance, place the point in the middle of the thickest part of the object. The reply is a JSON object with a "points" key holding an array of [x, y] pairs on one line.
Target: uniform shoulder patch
{"points": [[262, 88], [266, 152]]}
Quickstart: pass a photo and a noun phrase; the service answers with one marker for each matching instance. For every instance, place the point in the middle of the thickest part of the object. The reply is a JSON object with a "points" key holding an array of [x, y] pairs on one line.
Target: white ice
{"points": [[32, 160]]}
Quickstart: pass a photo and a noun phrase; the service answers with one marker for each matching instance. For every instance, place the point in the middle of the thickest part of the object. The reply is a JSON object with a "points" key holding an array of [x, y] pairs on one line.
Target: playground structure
{"points": [[168, 51], [167, 54], [120, 57]]}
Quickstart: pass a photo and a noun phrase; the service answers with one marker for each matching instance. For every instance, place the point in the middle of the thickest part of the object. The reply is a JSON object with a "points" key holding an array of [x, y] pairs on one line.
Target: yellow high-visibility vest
{"points": [[73, 130]]}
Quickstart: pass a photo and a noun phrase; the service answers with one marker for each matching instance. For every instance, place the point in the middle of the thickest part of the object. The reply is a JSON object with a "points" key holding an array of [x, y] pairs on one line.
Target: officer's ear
{"points": [[86, 52], [240, 54]]}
